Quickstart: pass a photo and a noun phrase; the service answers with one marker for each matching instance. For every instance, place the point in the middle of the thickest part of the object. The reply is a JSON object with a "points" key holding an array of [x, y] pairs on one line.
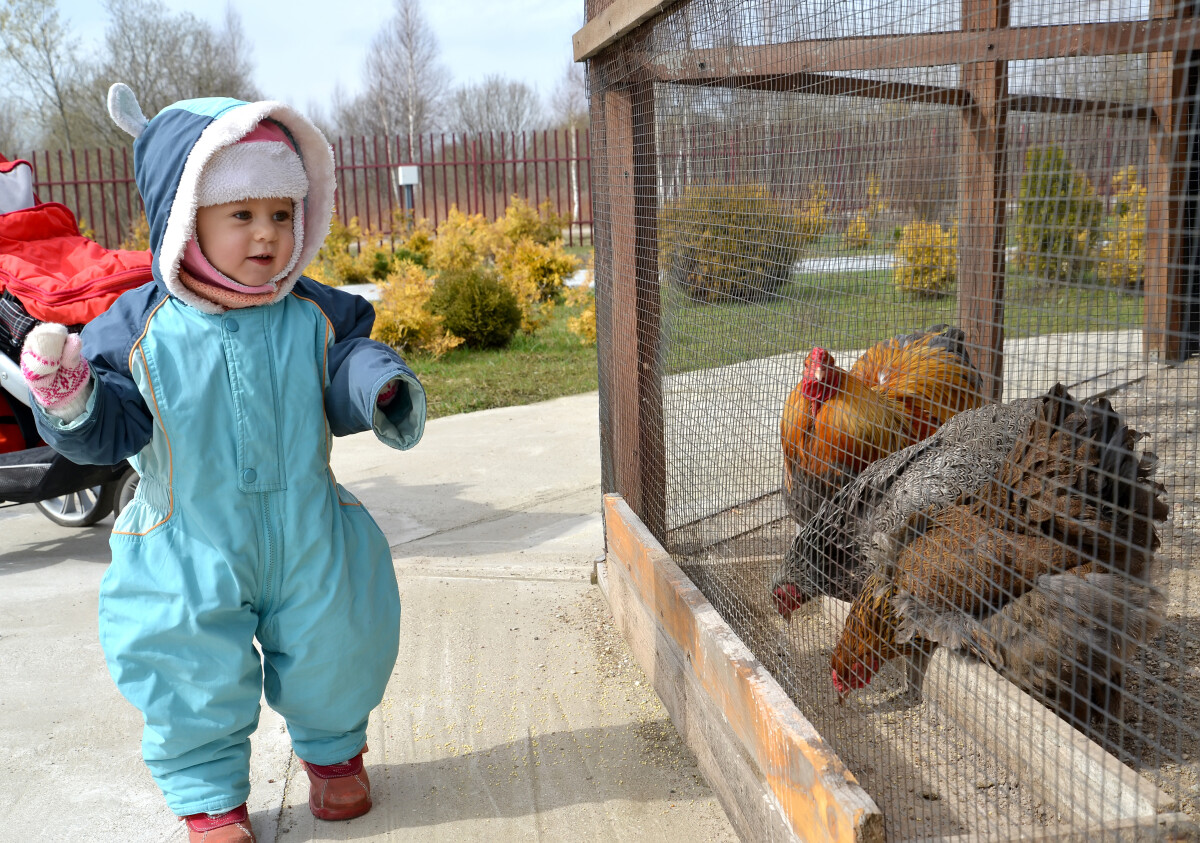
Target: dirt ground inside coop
{"points": [[1161, 738], [929, 776]]}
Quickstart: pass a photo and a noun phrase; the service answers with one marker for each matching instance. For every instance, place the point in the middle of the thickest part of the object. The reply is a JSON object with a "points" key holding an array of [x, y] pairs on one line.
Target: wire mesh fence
{"points": [[898, 313]]}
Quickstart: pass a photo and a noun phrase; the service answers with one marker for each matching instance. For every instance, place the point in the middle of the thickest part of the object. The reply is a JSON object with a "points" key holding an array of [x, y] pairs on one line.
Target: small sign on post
{"points": [[408, 176]]}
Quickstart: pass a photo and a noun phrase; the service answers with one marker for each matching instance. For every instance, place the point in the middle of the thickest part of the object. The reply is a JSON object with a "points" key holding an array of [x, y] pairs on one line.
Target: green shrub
{"points": [[1058, 217], [727, 242], [476, 305]]}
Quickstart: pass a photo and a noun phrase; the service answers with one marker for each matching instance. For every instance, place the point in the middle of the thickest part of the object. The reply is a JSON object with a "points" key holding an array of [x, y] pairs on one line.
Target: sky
{"points": [[304, 48]]}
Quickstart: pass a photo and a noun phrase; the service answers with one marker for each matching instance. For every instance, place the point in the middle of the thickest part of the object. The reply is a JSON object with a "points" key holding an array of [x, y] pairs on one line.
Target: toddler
{"points": [[222, 381]]}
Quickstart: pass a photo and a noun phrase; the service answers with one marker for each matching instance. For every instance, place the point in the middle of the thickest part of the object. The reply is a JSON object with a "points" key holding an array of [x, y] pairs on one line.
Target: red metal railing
{"points": [[477, 173]]}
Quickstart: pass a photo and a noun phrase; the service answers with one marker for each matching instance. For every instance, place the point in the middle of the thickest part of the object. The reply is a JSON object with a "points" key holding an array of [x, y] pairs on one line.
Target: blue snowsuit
{"points": [[239, 531]]}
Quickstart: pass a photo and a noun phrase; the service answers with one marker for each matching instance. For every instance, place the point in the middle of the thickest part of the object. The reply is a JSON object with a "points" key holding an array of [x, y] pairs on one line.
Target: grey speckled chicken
{"points": [[1074, 498], [828, 555]]}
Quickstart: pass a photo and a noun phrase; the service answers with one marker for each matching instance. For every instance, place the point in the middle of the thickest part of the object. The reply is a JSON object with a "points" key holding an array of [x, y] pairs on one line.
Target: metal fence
{"points": [[898, 316], [477, 173]]}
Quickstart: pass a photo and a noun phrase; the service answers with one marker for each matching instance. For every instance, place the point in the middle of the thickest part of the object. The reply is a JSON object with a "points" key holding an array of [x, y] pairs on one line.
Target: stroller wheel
{"points": [[124, 488], [82, 508]]}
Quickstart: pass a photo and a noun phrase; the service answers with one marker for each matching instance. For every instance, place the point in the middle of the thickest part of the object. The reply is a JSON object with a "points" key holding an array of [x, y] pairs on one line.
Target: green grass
{"points": [[584, 253], [549, 364], [839, 311], [856, 309]]}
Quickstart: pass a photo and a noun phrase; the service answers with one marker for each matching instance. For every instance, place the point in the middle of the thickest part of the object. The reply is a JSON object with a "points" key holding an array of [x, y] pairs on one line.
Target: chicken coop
{"points": [[898, 316]]}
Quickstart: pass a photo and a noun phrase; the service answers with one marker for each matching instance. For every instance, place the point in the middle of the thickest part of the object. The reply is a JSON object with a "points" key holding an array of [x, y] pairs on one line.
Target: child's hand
{"points": [[54, 369]]}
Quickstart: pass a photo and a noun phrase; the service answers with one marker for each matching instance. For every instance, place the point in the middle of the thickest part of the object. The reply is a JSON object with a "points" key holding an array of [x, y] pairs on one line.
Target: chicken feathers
{"points": [[1069, 495], [837, 422]]}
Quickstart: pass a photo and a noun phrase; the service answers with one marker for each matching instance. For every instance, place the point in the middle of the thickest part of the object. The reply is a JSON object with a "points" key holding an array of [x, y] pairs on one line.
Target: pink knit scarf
{"points": [[221, 296]]}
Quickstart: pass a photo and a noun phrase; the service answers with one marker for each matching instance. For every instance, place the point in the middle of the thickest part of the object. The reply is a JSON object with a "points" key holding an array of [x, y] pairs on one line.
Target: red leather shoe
{"points": [[229, 827], [339, 791]]}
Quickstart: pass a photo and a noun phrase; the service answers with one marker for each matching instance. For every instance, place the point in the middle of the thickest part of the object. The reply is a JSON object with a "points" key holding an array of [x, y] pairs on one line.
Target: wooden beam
{"points": [[982, 199], [927, 50], [617, 20], [775, 775], [839, 86], [1167, 163], [1069, 105], [635, 455], [823, 84]]}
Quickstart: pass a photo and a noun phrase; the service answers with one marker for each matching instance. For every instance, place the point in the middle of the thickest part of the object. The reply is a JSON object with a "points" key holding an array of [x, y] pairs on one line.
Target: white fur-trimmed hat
{"points": [[254, 170], [198, 130]]}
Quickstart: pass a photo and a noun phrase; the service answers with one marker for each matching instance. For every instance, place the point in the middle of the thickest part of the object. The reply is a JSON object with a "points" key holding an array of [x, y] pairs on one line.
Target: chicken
{"points": [[1067, 640], [1068, 496], [836, 422], [829, 551]]}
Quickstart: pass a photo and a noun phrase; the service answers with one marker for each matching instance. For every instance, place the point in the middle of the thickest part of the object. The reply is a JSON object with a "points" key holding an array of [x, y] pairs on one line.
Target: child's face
{"points": [[250, 240]]}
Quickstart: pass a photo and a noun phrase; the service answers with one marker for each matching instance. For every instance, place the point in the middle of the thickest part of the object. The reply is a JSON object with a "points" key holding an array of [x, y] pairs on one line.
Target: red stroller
{"points": [[50, 272]]}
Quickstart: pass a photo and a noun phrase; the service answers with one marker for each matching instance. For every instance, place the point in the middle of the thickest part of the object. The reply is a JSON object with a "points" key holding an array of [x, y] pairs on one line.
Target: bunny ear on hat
{"points": [[124, 109]]}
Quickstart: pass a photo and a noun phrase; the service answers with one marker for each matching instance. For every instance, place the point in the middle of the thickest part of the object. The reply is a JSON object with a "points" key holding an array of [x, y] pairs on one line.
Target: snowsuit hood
{"points": [[171, 151]]}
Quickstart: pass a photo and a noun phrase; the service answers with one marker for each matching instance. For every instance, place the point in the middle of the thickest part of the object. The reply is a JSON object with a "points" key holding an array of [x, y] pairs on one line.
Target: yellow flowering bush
{"points": [[927, 260], [858, 233], [462, 242], [583, 325], [521, 221], [339, 262], [1122, 257], [138, 237], [413, 239], [402, 318], [523, 251], [812, 218], [536, 273]]}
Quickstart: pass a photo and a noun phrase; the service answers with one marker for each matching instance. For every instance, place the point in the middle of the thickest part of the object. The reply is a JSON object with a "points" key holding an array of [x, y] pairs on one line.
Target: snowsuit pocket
{"points": [[151, 508]]}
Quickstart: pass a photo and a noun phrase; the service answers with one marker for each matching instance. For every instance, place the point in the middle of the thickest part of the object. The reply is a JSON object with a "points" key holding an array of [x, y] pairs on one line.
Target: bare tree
{"points": [[166, 57], [569, 104], [39, 53], [405, 72], [405, 84], [496, 105], [15, 125]]}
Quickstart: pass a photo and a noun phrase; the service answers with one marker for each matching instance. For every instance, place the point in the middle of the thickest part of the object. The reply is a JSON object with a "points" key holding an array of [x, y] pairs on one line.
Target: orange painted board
{"points": [[819, 797]]}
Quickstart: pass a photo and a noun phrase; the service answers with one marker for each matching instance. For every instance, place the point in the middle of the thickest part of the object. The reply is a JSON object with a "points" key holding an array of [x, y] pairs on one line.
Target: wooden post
{"points": [[631, 378], [1167, 276], [982, 196]]}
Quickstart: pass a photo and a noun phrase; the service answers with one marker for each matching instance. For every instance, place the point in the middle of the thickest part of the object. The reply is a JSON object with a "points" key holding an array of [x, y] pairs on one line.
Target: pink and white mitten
{"points": [[388, 393], [54, 369]]}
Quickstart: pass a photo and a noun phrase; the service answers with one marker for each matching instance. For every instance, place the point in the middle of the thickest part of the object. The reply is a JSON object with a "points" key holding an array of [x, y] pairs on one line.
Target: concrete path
{"points": [[515, 711]]}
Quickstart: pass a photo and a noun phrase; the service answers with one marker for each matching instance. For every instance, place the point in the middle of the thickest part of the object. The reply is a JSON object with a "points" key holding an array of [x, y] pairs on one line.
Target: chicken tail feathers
{"points": [[1069, 640]]}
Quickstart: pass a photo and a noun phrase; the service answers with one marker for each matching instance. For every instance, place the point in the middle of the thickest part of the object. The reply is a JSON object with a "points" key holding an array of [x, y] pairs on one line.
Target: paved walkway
{"points": [[514, 712]]}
